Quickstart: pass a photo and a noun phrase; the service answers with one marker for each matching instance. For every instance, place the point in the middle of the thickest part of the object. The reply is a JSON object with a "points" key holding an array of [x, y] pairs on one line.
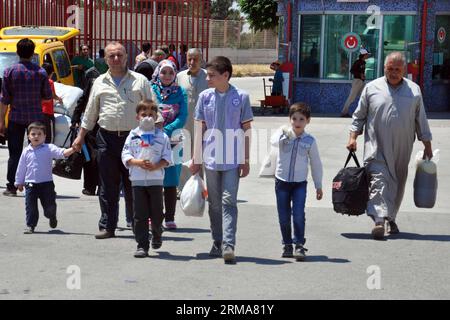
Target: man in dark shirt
{"points": [[358, 70], [24, 86], [148, 66], [90, 169]]}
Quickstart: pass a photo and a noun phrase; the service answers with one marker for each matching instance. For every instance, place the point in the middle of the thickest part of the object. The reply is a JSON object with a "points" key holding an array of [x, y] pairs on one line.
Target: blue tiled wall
{"points": [[385, 5], [330, 97]]}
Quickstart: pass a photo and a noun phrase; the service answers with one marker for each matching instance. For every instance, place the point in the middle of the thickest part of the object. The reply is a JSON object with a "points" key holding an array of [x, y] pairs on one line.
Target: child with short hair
{"points": [[146, 153], [220, 110], [296, 150], [34, 172]]}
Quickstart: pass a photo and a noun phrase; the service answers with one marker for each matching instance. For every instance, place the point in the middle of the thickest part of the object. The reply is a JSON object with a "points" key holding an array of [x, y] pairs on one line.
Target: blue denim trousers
{"points": [[45, 192], [222, 203], [294, 193]]}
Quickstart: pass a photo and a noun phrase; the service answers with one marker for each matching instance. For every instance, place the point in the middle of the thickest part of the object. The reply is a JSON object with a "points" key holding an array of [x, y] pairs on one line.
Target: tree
{"points": [[261, 14], [221, 10]]}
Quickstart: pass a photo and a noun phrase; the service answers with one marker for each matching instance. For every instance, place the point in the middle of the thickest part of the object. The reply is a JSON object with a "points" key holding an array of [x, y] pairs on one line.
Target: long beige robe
{"points": [[392, 117]]}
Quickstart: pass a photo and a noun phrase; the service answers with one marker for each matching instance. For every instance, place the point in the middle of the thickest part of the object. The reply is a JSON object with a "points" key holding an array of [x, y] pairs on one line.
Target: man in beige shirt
{"points": [[112, 104]]}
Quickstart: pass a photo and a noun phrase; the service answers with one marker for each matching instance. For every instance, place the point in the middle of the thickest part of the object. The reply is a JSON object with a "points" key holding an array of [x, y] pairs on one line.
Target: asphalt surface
{"points": [[343, 262]]}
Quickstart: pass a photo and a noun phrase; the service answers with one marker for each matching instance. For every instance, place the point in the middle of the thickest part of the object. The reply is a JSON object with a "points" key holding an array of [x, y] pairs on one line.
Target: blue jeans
{"points": [[286, 193], [222, 199], [45, 192]]}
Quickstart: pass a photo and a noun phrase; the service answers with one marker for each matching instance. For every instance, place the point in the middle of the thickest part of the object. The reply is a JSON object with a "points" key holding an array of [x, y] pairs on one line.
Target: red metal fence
{"points": [[131, 22]]}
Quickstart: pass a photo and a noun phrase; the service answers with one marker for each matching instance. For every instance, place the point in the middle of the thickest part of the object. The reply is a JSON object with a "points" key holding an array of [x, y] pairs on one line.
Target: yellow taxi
{"points": [[50, 48]]}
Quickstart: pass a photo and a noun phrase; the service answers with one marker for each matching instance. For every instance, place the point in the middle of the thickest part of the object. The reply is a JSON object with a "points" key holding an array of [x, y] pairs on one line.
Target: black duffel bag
{"points": [[72, 166], [351, 189]]}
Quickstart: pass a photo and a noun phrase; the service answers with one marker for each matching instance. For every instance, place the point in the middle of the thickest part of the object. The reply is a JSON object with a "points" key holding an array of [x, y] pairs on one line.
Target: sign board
{"points": [[441, 35], [351, 42]]}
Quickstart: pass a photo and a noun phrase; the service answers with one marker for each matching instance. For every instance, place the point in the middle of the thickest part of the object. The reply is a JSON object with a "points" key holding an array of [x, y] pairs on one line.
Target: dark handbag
{"points": [[350, 192], [72, 166]]}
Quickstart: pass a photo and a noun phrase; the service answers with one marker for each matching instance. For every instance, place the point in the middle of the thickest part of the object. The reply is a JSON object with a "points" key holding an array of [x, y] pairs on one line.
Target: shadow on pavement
{"points": [[167, 256], [422, 237], [63, 233], [325, 259], [176, 238], [205, 256], [189, 230], [262, 261], [400, 236], [66, 197]]}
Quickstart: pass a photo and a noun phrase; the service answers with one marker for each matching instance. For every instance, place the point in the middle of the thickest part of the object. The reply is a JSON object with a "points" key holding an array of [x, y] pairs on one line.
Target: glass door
{"points": [[398, 35]]}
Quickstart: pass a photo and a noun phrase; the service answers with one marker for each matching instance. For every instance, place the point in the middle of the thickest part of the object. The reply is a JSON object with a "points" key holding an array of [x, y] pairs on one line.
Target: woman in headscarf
{"points": [[172, 103]]}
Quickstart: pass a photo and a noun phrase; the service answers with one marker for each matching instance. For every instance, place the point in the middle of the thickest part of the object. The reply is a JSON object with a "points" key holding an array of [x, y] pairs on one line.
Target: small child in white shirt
{"points": [[146, 153], [296, 150]]}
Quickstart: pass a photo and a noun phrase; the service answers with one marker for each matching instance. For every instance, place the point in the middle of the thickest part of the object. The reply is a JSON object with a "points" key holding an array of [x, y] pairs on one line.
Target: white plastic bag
{"points": [[69, 96], [59, 108], [269, 164], [62, 127], [193, 197], [185, 174]]}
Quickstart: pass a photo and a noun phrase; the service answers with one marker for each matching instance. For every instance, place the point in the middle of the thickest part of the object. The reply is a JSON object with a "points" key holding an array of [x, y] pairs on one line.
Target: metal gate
{"points": [[131, 22]]}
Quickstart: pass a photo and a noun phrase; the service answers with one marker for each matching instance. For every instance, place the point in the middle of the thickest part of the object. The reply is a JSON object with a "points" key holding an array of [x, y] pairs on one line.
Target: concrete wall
{"points": [[249, 56]]}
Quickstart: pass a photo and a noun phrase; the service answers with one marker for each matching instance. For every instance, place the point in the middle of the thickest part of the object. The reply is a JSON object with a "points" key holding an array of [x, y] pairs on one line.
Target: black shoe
{"points": [[88, 192], [216, 249], [300, 252], [393, 228], [53, 222], [156, 239], [10, 192], [156, 242], [346, 115], [28, 230], [288, 251], [105, 235], [141, 253], [228, 255]]}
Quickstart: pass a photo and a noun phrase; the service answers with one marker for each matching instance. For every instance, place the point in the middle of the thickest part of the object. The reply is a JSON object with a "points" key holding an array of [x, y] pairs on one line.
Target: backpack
{"points": [[350, 192]]}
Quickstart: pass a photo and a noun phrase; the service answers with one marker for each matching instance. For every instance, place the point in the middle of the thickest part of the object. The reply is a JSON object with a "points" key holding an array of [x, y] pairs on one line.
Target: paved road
{"points": [[342, 258], [254, 86]]}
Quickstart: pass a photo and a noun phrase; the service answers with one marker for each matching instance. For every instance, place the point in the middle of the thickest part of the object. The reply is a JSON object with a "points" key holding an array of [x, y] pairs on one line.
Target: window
{"points": [[441, 54], [336, 60], [7, 59], [397, 32], [370, 40], [62, 63], [309, 55], [398, 35]]}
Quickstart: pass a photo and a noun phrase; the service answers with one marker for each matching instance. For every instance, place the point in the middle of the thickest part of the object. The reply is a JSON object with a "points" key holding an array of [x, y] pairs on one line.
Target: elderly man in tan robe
{"points": [[392, 111]]}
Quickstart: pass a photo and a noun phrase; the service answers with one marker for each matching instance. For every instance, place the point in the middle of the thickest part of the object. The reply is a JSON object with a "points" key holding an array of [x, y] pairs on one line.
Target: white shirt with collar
{"points": [[294, 155]]}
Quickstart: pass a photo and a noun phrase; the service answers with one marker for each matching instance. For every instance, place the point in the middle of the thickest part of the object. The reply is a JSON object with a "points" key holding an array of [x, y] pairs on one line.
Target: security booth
{"points": [[327, 36]]}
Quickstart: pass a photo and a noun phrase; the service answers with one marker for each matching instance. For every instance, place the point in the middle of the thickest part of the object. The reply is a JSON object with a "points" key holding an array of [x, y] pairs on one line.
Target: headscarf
{"points": [[168, 110], [165, 91]]}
